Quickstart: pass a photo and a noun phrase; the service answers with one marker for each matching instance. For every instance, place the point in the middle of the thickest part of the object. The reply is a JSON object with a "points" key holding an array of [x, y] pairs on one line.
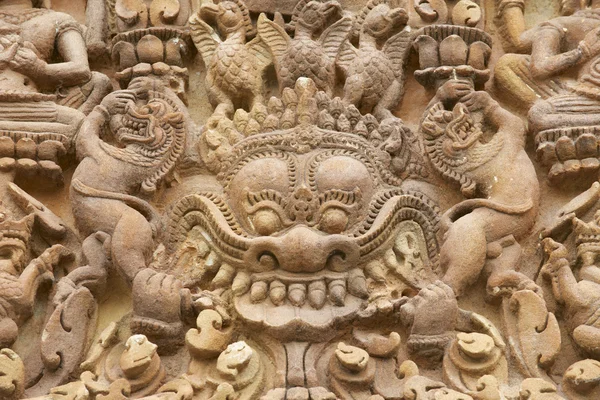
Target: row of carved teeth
{"points": [[134, 132], [13, 237], [315, 292], [130, 123], [280, 286]]}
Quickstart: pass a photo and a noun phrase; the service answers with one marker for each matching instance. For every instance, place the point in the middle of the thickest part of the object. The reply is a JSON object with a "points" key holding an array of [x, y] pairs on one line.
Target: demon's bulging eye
{"points": [[266, 222], [334, 220], [336, 208]]}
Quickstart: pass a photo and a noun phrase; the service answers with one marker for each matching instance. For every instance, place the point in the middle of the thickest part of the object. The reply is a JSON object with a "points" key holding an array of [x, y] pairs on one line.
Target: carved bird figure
{"points": [[375, 69], [234, 66], [314, 48]]}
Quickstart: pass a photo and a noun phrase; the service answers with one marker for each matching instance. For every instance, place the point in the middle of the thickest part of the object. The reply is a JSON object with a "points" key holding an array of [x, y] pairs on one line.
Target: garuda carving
{"points": [[314, 48], [375, 70], [235, 68]]}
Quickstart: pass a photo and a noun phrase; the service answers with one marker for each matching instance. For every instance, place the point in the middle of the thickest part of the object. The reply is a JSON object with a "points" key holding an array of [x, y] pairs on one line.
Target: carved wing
{"points": [[274, 36], [205, 38], [397, 48], [334, 36], [346, 56], [260, 52]]}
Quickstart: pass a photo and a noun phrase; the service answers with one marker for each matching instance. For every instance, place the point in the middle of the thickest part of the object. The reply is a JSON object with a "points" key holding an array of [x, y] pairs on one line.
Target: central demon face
{"points": [[302, 214], [298, 203]]}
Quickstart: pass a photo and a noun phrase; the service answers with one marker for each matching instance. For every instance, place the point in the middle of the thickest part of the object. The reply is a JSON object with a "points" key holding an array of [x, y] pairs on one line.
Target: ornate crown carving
{"points": [[302, 109]]}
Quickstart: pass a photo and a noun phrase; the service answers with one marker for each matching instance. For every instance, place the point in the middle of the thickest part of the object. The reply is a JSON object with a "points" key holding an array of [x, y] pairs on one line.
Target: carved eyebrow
{"points": [[346, 197], [264, 195]]}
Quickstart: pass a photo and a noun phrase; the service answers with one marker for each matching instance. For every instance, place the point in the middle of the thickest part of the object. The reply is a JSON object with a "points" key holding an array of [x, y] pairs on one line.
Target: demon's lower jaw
{"points": [[301, 306], [303, 281]]}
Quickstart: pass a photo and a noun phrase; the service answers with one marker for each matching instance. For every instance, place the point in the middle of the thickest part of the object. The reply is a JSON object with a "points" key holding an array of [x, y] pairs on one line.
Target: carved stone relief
{"points": [[299, 199]]}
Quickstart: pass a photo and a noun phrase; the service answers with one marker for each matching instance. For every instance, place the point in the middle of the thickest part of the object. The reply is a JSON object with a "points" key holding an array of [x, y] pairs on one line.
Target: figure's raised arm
{"points": [[547, 57], [91, 129], [510, 20], [494, 114], [74, 68]]}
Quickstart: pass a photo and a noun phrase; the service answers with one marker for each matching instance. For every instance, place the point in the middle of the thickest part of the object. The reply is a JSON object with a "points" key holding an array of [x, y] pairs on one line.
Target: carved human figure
{"points": [[566, 44], [313, 50], [30, 40], [20, 279], [473, 142], [375, 70], [235, 67], [128, 146], [580, 297]]}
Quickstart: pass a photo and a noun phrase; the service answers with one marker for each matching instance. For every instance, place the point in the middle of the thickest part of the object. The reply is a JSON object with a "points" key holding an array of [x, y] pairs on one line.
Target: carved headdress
{"points": [[14, 235], [587, 234], [304, 106]]}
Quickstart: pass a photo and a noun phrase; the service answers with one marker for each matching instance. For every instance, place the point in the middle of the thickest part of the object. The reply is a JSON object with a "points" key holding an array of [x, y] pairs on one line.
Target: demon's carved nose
{"points": [[302, 250]]}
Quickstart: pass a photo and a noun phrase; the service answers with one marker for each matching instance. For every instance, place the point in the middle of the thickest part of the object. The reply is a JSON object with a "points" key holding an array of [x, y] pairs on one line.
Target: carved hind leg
{"points": [[503, 260], [389, 101], [463, 253], [219, 99], [132, 244], [353, 90]]}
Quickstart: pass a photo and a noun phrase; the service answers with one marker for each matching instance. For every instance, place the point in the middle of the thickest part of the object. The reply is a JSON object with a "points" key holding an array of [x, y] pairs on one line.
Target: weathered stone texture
{"points": [[307, 199]]}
